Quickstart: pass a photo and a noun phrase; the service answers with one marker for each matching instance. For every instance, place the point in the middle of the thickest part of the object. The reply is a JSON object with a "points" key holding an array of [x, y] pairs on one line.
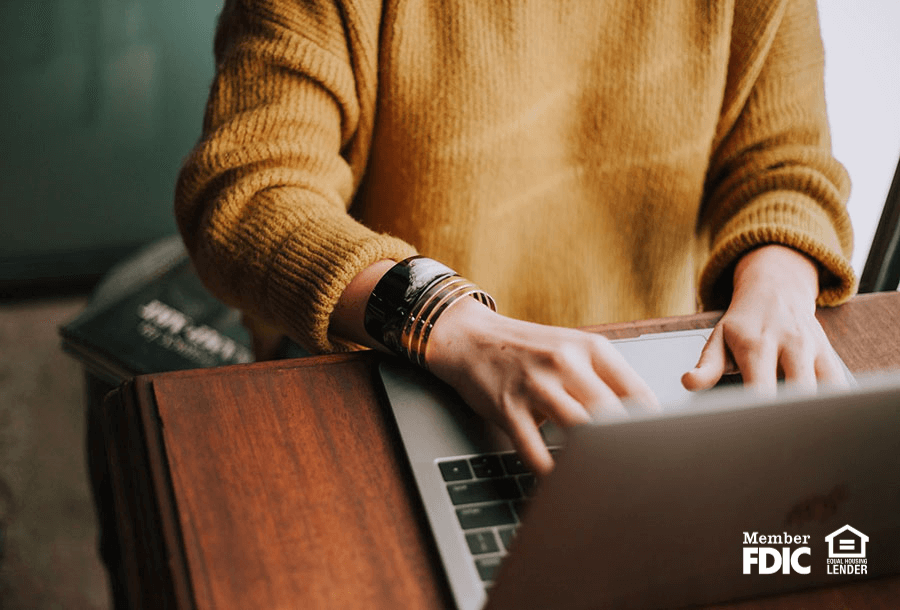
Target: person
{"points": [[582, 162]]}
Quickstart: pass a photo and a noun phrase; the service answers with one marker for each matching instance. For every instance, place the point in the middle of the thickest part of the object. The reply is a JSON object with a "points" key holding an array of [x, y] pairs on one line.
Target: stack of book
{"points": [[152, 314]]}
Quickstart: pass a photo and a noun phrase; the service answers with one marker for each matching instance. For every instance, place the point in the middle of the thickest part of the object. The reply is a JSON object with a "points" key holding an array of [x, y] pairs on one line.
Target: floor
{"points": [[47, 526]]}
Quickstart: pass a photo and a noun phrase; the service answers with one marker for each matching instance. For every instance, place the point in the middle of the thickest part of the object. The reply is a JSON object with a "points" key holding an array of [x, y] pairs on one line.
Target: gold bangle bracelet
{"points": [[432, 308], [420, 313], [474, 291], [408, 300], [429, 307]]}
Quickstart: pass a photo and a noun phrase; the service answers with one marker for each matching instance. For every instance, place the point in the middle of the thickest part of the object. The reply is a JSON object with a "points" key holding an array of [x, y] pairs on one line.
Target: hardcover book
{"points": [[153, 314]]}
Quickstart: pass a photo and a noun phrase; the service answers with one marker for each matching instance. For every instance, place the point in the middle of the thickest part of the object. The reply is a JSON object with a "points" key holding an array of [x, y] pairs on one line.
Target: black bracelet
{"points": [[396, 294]]}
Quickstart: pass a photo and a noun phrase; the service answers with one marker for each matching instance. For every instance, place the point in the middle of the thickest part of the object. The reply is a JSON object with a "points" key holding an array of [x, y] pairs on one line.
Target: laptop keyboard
{"points": [[489, 494]]}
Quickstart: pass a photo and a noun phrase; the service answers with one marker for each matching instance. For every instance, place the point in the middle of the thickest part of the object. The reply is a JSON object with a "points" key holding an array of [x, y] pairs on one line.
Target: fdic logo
{"points": [[771, 559]]}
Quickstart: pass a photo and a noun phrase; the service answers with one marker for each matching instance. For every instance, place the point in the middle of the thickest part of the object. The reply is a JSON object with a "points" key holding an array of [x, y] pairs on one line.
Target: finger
{"points": [[828, 369], [566, 411], [711, 365], [799, 366], [527, 439], [555, 402], [605, 405], [585, 387], [624, 382], [758, 363]]}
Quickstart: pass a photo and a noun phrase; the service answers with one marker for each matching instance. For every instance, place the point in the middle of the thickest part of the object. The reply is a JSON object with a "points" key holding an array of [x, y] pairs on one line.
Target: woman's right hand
{"points": [[514, 373], [519, 374]]}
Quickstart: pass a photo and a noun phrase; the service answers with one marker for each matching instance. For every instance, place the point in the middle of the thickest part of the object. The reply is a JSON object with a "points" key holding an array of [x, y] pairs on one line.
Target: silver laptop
{"points": [[476, 492]]}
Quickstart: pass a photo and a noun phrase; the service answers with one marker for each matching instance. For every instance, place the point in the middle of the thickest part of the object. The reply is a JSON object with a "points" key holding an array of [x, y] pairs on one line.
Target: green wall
{"points": [[100, 100]]}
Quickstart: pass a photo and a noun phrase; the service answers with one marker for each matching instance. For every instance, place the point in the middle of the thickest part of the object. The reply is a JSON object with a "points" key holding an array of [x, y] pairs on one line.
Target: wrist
{"points": [[775, 266], [454, 333], [409, 299]]}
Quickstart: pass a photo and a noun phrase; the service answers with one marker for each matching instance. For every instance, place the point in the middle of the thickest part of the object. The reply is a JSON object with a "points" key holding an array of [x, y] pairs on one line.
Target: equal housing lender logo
{"points": [[788, 553], [847, 551]]}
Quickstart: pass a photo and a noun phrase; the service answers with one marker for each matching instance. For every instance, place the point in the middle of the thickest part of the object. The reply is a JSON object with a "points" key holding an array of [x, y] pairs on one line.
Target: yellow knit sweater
{"points": [[584, 162]]}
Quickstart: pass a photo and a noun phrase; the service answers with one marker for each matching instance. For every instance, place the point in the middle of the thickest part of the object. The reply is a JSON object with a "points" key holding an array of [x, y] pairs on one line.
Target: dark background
{"points": [[101, 101]]}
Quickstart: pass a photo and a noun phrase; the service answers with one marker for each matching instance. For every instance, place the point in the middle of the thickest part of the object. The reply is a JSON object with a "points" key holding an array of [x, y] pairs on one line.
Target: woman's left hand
{"points": [[770, 328]]}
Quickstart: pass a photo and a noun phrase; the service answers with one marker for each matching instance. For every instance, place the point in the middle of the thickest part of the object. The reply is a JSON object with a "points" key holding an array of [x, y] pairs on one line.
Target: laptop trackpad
{"points": [[662, 359]]}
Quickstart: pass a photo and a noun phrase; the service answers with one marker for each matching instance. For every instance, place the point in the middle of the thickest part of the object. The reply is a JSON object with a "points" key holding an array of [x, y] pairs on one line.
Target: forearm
{"points": [[772, 177], [262, 200]]}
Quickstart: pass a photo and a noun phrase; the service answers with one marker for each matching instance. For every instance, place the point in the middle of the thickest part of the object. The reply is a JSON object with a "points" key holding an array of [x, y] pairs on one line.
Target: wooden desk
{"points": [[284, 484]]}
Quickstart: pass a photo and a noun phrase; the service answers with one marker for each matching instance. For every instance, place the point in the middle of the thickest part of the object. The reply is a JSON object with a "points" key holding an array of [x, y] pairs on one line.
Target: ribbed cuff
{"points": [[788, 219], [311, 272]]}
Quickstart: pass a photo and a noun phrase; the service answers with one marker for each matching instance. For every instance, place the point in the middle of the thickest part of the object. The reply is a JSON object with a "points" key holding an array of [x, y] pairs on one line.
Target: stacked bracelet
{"points": [[408, 300]]}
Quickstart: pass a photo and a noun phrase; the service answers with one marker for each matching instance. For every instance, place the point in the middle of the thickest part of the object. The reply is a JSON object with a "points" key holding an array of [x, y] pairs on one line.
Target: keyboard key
{"points": [[527, 482], [457, 470], [506, 536], [487, 515], [486, 466], [513, 463], [487, 567], [484, 491], [482, 542]]}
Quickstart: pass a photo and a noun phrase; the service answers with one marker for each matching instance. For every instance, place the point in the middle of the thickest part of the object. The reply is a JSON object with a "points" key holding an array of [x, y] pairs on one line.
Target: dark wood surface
{"points": [[284, 484]]}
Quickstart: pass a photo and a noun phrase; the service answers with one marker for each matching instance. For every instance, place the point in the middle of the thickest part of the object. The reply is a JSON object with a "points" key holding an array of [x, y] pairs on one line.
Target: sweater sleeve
{"points": [[772, 177], [262, 200]]}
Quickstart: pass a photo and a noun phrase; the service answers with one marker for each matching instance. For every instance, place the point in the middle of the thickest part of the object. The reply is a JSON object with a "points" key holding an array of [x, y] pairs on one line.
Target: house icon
{"points": [[847, 542]]}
